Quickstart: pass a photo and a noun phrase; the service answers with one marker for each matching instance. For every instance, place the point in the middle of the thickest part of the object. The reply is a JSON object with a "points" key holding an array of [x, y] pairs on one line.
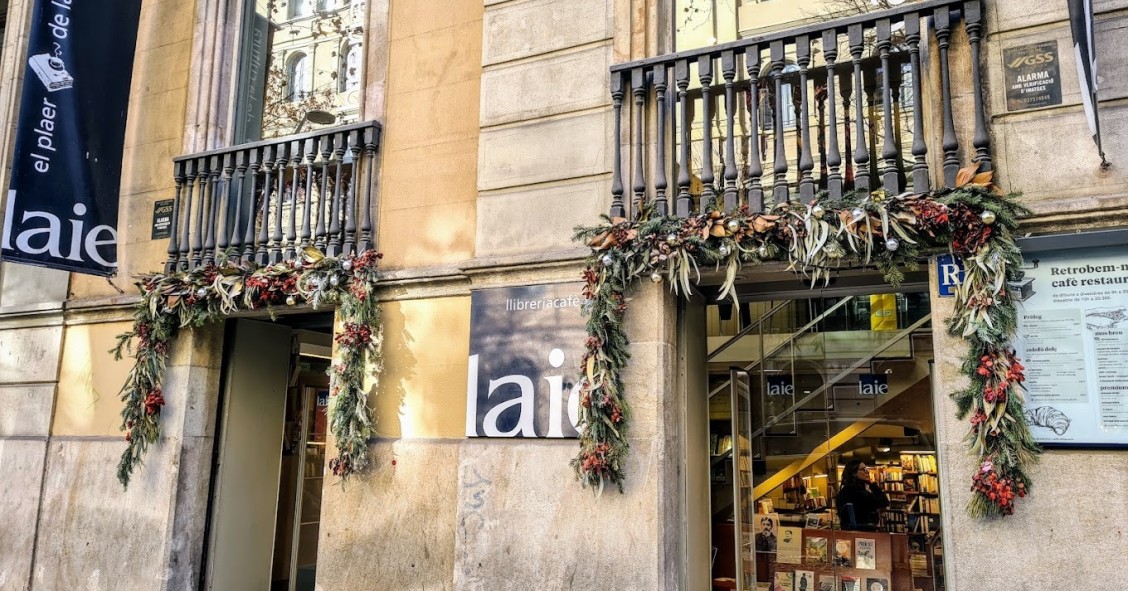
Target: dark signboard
{"points": [[1032, 75], [66, 170], [949, 274], [162, 219], [525, 350]]}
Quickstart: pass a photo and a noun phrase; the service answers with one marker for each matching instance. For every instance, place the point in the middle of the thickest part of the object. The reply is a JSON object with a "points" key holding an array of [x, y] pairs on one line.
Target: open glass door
{"points": [[824, 462], [743, 483]]}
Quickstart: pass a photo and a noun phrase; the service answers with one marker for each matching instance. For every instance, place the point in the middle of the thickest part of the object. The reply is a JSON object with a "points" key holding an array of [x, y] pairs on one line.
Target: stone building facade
{"points": [[498, 139]]}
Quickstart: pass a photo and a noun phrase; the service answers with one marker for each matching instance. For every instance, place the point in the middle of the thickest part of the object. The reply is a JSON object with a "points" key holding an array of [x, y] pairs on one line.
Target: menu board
{"points": [[1073, 340]]}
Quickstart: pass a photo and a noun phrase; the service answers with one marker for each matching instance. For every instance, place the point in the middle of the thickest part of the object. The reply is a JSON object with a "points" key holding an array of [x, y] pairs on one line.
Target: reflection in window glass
{"points": [[297, 79], [298, 56], [703, 23]]}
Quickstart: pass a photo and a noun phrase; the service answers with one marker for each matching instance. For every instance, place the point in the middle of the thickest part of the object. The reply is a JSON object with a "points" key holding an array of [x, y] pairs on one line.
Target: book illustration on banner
{"points": [[814, 521], [816, 549], [849, 584], [828, 583], [1049, 418], [766, 538], [51, 70], [843, 553], [866, 555], [804, 580], [1104, 318], [790, 547], [784, 581], [877, 584]]}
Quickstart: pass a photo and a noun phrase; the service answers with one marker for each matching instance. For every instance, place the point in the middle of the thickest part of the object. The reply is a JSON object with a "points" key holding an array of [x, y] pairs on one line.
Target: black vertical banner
{"points": [[66, 174]]}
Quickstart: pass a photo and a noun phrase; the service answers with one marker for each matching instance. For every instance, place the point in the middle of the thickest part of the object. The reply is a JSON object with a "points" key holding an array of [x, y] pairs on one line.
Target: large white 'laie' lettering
{"points": [[526, 402], [46, 236]]}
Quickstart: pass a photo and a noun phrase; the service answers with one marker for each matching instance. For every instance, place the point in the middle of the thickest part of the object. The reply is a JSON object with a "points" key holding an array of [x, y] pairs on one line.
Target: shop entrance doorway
{"points": [[821, 444], [269, 457]]}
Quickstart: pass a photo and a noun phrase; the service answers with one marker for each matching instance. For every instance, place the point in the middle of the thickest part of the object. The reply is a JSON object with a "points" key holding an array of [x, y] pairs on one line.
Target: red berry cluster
{"points": [[359, 290], [367, 260], [1000, 490], [596, 461], [355, 335], [591, 281], [144, 332], [340, 466], [932, 217], [969, 233], [1002, 370], [154, 401]]}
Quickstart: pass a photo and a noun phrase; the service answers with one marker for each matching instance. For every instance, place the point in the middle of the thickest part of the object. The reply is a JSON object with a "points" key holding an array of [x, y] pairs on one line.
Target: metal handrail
{"points": [[746, 329], [363, 125], [849, 370], [812, 30], [794, 336]]}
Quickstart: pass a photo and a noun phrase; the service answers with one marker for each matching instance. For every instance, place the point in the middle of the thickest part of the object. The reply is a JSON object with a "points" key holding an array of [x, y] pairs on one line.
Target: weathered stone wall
{"points": [[1069, 532], [545, 121], [1048, 153]]}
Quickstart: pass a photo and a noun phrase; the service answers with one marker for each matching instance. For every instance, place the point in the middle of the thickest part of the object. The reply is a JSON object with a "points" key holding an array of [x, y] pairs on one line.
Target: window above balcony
{"points": [[298, 57], [862, 102]]}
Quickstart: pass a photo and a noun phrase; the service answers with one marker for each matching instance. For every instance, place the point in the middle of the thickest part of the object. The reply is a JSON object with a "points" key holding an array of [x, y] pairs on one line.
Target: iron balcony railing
{"points": [[849, 96], [263, 202]]}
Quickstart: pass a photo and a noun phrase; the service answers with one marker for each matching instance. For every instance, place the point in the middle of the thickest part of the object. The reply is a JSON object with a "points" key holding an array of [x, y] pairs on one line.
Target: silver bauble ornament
{"points": [[334, 281], [656, 277], [346, 265], [724, 250], [607, 260], [818, 211], [763, 252], [892, 244], [201, 293], [290, 301], [672, 239], [988, 217], [857, 213], [733, 226]]}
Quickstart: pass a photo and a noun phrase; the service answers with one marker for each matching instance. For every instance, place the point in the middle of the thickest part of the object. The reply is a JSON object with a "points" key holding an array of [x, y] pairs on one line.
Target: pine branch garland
{"points": [[890, 233], [191, 299]]}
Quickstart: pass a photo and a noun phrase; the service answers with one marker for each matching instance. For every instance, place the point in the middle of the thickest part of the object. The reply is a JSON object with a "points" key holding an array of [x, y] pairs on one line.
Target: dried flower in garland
{"points": [[892, 233], [194, 298]]}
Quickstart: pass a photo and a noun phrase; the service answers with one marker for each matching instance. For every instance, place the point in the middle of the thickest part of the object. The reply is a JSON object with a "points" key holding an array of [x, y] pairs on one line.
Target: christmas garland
{"points": [[189, 299], [973, 220]]}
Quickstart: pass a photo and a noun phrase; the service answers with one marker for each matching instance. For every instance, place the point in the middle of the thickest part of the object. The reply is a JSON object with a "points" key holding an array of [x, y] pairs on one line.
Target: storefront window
{"points": [[822, 445]]}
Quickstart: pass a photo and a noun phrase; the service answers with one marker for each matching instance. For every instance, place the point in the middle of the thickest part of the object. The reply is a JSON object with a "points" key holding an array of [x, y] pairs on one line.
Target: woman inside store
{"points": [[859, 500]]}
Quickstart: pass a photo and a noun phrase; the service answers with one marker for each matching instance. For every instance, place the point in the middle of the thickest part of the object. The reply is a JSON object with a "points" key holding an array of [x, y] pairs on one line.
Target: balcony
{"points": [[263, 202], [857, 104]]}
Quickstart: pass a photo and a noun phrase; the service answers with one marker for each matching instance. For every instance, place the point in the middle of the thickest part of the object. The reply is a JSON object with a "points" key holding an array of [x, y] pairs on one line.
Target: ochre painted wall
{"points": [[423, 386], [87, 403], [429, 181]]}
